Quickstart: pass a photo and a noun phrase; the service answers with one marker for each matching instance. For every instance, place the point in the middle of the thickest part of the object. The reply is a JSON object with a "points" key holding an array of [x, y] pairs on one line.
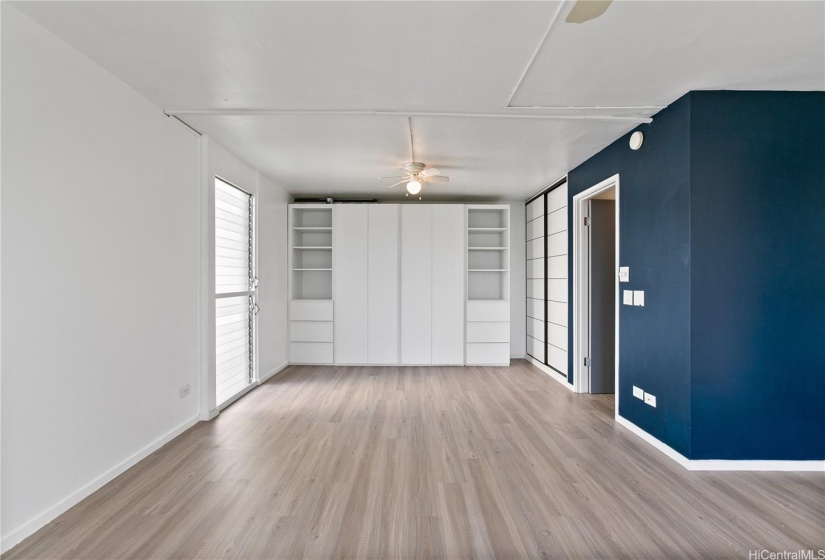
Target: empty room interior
{"points": [[401, 280]]}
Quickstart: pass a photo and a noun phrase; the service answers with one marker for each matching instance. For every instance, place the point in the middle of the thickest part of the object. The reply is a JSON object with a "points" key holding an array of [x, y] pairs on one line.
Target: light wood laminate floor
{"points": [[408, 462]]}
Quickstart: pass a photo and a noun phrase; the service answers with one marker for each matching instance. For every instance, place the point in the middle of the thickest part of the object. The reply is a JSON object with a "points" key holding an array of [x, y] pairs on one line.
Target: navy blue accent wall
{"points": [[654, 201], [758, 275], [722, 223]]}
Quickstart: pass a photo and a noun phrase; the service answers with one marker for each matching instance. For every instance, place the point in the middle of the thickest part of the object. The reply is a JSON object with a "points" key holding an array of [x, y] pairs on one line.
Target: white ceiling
{"points": [[421, 57]]}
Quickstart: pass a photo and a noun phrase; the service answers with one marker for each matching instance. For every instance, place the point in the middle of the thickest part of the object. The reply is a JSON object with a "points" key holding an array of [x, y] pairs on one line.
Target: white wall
{"points": [[100, 269], [518, 303], [105, 284]]}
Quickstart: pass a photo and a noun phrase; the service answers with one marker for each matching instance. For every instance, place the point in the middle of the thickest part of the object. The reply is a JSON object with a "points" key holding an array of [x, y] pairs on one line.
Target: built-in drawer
{"points": [[310, 353], [496, 310], [535, 348], [310, 331], [310, 310], [488, 332], [488, 353]]}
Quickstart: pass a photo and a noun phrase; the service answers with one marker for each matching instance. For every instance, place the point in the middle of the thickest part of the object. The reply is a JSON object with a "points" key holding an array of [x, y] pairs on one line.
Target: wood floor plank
{"points": [[415, 462]]}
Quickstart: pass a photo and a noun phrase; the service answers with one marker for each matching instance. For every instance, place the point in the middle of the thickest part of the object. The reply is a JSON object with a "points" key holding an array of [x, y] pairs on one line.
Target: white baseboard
{"points": [[211, 415], [518, 356], [273, 373], [721, 464], [40, 520], [553, 374]]}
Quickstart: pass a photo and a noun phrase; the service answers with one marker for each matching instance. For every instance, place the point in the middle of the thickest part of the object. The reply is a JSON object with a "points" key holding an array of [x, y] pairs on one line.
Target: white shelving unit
{"points": [[488, 285], [311, 281]]}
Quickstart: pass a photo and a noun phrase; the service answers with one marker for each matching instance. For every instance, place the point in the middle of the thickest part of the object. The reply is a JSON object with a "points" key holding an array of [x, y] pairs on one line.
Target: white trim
{"points": [[721, 464], [263, 379], [553, 374], [581, 378], [518, 356], [209, 415], [40, 520]]}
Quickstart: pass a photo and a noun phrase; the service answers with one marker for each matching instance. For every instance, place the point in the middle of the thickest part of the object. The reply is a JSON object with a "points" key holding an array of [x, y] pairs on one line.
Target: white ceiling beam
{"points": [[287, 112]]}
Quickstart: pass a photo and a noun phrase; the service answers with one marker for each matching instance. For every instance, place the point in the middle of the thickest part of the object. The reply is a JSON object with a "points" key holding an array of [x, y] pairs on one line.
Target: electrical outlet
{"points": [[639, 298], [624, 274], [627, 297], [184, 390], [650, 399], [638, 393]]}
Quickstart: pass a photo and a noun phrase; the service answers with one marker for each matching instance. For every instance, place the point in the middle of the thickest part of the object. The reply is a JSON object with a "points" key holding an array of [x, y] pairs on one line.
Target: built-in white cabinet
{"points": [[390, 284], [351, 285], [383, 283], [488, 285], [311, 333]]}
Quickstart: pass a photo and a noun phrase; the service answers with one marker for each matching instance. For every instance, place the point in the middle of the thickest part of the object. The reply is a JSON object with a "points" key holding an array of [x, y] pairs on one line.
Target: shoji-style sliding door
{"points": [[536, 301], [547, 278]]}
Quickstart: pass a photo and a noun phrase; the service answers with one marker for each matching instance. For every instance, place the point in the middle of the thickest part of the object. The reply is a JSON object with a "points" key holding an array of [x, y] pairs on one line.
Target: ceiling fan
{"points": [[416, 174], [585, 10]]}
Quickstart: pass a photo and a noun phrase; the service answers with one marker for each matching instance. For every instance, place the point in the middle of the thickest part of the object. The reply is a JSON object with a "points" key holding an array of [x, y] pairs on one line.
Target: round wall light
{"points": [[636, 140]]}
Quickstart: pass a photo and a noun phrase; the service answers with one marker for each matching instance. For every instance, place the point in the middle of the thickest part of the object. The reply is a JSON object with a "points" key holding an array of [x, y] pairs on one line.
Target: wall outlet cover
{"points": [[184, 390], [639, 298], [650, 399], [638, 393], [624, 274], [627, 297]]}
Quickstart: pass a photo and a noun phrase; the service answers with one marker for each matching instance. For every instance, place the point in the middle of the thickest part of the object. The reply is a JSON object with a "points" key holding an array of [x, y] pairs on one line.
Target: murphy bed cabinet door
{"points": [[350, 279], [383, 283], [416, 284], [448, 284]]}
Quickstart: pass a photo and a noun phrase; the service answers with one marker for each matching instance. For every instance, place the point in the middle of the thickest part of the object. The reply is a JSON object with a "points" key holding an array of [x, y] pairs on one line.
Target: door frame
{"points": [[581, 313]]}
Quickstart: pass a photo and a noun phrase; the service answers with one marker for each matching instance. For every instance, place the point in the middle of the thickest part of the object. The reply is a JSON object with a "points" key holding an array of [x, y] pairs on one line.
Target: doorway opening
{"points": [[596, 289]]}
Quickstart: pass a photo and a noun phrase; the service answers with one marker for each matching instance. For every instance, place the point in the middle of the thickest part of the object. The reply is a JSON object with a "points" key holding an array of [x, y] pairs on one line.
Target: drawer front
{"points": [[488, 353], [488, 332], [535, 308], [488, 311], [535, 348], [310, 353], [535, 328], [310, 331], [310, 310]]}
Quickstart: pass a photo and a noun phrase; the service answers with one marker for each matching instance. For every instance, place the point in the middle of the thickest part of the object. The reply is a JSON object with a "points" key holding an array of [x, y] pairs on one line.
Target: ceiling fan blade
{"points": [[585, 10], [430, 171], [437, 179], [394, 177], [406, 180]]}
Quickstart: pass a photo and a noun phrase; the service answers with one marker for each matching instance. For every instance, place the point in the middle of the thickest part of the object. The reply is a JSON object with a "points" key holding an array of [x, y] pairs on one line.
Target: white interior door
{"points": [[416, 283], [383, 283], [351, 316], [447, 284]]}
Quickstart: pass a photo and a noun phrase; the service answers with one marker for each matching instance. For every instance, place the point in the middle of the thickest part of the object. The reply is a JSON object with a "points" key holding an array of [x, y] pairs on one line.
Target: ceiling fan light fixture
{"points": [[413, 187]]}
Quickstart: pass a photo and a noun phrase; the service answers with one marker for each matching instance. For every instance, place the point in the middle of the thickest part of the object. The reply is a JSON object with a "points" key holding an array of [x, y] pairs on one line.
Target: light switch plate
{"points": [[624, 274], [639, 298], [627, 297], [184, 390], [638, 393], [650, 399]]}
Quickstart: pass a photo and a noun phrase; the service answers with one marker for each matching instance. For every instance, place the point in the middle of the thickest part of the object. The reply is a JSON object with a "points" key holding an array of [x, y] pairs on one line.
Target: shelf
{"points": [[488, 270], [310, 269], [303, 228], [486, 229], [314, 248], [486, 248]]}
